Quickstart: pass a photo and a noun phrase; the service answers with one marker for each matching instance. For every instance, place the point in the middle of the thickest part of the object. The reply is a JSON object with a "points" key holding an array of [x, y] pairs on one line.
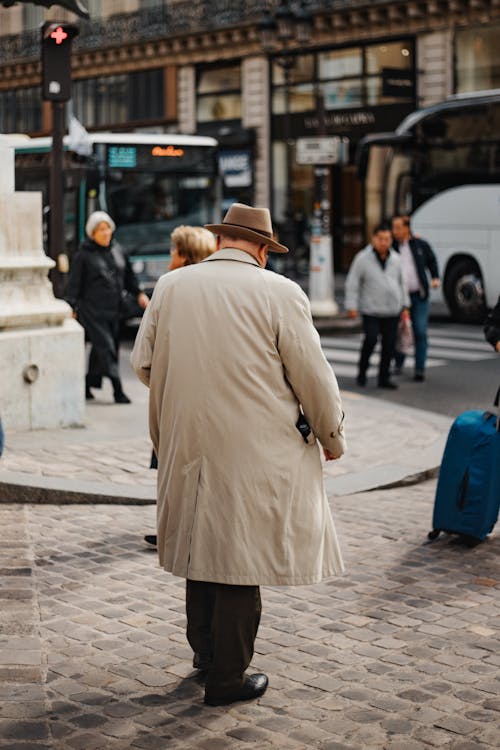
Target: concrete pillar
{"points": [[435, 67], [42, 355], [256, 114], [186, 99]]}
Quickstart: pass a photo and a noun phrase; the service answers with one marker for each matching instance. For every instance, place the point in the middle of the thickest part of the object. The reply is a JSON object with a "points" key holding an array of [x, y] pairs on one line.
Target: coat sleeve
{"points": [[352, 284], [142, 353], [308, 372], [130, 281], [75, 282], [431, 261]]}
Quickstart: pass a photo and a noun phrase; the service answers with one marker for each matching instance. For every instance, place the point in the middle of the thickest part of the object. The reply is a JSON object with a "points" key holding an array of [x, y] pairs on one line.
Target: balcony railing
{"points": [[164, 20]]}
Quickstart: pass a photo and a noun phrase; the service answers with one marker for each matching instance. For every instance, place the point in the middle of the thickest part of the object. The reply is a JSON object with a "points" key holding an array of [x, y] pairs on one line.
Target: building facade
{"points": [[200, 67]]}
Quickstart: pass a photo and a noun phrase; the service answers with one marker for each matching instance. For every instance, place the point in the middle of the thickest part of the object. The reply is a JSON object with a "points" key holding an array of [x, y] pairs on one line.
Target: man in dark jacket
{"points": [[418, 260], [492, 327]]}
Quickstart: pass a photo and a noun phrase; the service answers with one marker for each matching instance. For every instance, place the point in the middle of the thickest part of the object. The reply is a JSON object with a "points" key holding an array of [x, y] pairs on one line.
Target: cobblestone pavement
{"points": [[401, 653]]}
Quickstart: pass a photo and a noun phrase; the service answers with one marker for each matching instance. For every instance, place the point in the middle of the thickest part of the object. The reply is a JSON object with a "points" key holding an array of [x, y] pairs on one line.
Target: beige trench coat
{"points": [[229, 352]]}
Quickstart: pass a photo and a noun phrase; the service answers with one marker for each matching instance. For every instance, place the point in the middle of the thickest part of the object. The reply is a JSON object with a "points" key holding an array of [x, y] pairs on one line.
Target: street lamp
{"points": [[289, 25]]}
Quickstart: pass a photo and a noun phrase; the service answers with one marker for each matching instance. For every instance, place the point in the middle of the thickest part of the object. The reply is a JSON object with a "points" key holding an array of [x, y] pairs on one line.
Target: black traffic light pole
{"points": [[56, 88], [56, 195]]}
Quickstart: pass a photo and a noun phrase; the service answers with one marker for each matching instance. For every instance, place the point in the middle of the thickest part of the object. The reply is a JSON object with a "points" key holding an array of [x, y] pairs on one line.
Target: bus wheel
{"points": [[464, 292]]}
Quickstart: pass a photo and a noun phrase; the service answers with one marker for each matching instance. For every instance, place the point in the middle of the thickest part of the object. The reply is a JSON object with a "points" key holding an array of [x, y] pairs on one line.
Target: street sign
{"points": [[319, 150]]}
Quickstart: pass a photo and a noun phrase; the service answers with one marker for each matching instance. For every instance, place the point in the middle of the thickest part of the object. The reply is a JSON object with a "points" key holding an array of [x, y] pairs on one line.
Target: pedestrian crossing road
{"points": [[448, 344]]}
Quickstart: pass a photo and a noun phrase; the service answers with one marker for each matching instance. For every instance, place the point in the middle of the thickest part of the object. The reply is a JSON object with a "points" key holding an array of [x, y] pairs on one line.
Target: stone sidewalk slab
{"points": [[403, 651], [108, 459]]}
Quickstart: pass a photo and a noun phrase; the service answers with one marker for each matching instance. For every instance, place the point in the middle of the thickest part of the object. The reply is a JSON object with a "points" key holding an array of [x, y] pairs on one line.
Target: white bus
{"points": [[149, 184], [442, 166]]}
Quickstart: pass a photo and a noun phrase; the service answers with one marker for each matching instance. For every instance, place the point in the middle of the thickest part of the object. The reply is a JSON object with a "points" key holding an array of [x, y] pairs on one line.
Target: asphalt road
{"points": [[464, 371]]}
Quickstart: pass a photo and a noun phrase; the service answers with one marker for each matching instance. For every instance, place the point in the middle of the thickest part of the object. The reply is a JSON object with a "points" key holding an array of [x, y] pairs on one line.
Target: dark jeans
{"points": [[386, 328], [222, 623], [419, 313]]}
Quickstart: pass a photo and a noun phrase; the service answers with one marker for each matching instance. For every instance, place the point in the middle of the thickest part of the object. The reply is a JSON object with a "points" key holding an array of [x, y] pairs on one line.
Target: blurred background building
{"points": [[257, 75]]}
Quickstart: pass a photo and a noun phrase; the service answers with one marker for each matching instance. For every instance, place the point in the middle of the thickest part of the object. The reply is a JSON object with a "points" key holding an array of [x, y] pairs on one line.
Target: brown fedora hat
{"points": [[248, 223]]}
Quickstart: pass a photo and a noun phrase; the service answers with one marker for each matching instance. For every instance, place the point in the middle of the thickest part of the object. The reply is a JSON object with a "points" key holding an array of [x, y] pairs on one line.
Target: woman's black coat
{"points": [[97, 280]]}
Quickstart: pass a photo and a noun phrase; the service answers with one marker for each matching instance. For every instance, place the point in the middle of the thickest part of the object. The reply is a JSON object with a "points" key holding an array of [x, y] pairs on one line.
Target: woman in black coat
{"points": [[492, 327], [99, 274]]}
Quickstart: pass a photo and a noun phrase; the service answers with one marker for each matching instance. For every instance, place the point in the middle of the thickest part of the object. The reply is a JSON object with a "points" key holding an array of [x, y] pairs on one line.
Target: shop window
{"points": [[342, 94], [301, 70], [477, 55], [300, 99], [396, 55], [340, 63], [219, 94]]}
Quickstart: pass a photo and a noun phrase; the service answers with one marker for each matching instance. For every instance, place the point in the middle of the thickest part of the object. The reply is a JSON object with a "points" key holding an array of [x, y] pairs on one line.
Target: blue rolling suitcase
{"points": [[468, 491]]}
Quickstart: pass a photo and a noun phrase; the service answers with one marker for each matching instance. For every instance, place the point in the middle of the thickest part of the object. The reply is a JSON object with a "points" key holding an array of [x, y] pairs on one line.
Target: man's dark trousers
{"points": [[222, 624], [373, 327]]}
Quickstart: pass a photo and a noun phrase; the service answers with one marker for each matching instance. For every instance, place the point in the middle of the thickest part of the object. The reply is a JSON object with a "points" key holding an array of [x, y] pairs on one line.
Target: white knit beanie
{"points": [[95, 219]]}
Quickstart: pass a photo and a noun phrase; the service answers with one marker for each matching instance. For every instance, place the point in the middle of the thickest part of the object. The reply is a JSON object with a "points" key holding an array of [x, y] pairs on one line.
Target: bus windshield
{"points": [[147, 207]]}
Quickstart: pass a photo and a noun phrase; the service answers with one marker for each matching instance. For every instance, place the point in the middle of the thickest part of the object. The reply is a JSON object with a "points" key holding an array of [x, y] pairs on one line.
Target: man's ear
{"points": [[262, 255]]}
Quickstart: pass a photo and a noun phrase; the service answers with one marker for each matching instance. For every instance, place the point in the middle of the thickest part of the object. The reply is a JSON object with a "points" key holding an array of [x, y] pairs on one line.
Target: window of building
{"points": [[21, 110], [219, 94], [477, 59], [346, 78], [113, 100]]}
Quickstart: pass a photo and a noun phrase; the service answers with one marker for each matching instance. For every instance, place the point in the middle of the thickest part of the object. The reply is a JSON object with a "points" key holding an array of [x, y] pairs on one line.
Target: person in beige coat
{"points": [[241, 397]]}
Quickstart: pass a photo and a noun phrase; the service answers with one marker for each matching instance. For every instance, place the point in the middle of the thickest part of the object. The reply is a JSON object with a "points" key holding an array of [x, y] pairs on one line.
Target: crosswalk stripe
{"points": [[480, 346], [343, 351]]}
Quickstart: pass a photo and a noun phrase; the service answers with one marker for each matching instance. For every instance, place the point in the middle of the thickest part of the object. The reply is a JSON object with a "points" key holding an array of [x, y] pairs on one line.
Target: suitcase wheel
{"points": [[433, 534]]}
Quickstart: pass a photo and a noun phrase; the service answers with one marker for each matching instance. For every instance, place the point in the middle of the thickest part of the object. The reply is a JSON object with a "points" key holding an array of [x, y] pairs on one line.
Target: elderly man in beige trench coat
{"points": [[241, 396]]}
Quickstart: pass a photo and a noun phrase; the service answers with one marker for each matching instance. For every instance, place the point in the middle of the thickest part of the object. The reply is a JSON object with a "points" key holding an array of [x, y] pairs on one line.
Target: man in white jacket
{"points": [[375, 287]]}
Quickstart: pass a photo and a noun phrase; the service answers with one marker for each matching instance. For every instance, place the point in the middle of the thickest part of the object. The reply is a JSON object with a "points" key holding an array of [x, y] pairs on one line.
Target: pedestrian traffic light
{"points": [[75, 6], [56, 60]]}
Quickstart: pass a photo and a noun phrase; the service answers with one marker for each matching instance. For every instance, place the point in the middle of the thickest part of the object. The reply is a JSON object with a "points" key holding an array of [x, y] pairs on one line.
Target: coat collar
{"points": [[232, 253]]}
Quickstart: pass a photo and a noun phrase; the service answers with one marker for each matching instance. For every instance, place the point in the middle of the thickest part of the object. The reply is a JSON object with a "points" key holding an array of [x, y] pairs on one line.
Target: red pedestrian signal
{"points": [[59, 35], [56, 60]]}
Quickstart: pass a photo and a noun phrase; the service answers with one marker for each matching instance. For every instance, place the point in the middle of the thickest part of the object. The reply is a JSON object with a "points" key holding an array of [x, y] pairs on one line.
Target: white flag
{"points": [[79, 139]]}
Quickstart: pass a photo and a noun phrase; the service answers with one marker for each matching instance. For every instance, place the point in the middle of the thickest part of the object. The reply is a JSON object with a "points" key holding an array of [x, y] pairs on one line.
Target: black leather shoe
{"points": [[121, 398], [254, 686], [151, 539], [419, 376], [361, 380], [202, 661], [389, 385]]}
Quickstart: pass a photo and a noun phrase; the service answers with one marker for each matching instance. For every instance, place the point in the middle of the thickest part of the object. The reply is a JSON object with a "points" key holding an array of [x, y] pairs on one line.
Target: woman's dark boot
{"points": [[120, 397], [89, 396]]}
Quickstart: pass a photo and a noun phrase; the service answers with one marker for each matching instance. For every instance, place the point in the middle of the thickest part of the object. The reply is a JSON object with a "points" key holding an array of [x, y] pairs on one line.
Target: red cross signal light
{"points": [[59, 35], [56, 60]]}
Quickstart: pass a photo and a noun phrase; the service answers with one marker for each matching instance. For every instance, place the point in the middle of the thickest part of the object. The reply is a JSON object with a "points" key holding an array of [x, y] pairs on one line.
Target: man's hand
{"points": [[143, 300], [435, 283], [405, 314], [329, 456], [497, 347], [351, 314]]}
